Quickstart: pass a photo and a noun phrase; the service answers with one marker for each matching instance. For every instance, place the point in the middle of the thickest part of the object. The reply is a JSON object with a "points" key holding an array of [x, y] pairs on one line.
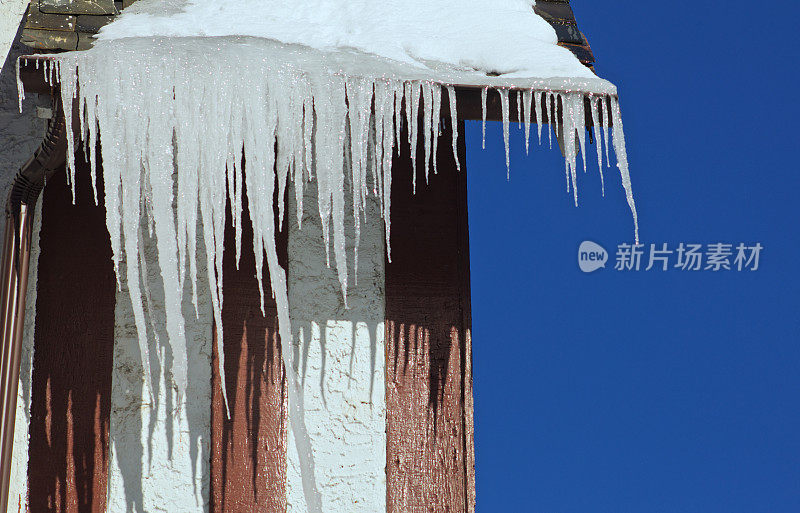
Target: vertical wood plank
{"points": [[73, 348], [248, 451], [430, 462]]}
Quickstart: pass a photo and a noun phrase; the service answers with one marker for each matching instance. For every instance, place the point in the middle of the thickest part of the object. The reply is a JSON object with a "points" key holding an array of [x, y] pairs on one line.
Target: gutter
{"points": [[20, 206]]}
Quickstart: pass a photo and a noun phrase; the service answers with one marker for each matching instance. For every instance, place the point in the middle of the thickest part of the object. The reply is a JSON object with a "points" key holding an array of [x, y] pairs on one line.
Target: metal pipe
{"points": [[15, 281], [20, 207]]}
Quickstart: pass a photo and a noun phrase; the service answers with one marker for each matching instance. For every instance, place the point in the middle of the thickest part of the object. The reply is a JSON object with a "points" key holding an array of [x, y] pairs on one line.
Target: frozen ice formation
{"points": [[178, 117]]}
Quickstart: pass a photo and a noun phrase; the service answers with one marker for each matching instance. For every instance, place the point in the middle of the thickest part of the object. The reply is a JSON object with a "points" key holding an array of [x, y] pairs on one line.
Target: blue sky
{"points": [[647, 391]]}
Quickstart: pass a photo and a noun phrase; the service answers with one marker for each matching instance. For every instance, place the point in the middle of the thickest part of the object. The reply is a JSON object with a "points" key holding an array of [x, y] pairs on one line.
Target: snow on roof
{"points": [[504, 37]]}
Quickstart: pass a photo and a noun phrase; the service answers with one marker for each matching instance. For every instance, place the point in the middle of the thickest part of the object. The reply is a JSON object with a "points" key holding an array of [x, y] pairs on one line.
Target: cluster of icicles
{"points": [[193, 122]]}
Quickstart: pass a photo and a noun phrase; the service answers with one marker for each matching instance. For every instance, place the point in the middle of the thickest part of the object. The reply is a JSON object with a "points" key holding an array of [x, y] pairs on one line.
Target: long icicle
{"points": [[504, 108], [451, 96], [622, 163]]}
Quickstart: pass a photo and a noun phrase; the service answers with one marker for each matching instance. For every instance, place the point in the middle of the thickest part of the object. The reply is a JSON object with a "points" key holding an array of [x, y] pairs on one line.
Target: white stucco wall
{"points": [[18, 490], [20, 133], [160, 452], [340, 358], [11, 13]]}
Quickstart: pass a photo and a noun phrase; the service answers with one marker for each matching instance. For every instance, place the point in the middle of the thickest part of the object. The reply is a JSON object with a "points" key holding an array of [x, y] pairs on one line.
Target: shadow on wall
{"points": [[248, 450], [74, 339], [428, 374], [84, 335], [427, 280], [174, 446]]}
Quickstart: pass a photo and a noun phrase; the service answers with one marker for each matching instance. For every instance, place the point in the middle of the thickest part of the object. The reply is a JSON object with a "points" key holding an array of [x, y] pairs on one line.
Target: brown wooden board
{"points": [[78, 6], [73, 352], [248, 451], [430, 463]]}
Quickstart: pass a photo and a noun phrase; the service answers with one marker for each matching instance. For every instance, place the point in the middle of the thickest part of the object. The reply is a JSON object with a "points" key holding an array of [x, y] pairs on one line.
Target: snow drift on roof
{"points": [[492, 36]]}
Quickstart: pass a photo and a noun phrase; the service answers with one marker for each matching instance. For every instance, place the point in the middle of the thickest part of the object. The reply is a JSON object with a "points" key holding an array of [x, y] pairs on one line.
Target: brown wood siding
{"points": [[248, 451], [73, 352], [430, 463]]}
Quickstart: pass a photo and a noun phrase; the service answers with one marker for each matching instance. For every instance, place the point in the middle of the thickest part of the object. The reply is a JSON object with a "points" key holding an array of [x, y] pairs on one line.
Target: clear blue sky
{"points": [[649, 391]]}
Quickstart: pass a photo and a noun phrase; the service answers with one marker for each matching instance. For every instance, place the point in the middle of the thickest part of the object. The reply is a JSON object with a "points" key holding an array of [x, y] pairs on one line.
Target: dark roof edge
{"points": [[560, 15]]}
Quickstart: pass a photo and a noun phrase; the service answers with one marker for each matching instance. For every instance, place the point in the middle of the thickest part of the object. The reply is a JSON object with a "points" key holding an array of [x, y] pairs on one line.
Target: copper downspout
{"points": [[14, 268]]}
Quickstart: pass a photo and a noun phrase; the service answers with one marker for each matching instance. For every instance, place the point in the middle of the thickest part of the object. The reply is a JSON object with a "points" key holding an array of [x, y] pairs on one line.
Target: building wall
{"points": [[162, 457]]}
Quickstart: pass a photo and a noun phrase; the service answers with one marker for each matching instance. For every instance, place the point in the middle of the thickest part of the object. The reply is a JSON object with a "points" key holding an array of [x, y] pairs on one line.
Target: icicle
{"points": [[597, 141], [158, 160], [308, 130], [539, 113], [374, 155], [187, 142], [504, 107], [387, 97], [331, 114], [567, 129], [436, 117], [551, 118], [398, 118], [427, 123], [381, 100], [557, 122], [359, 97], [527, 98], [303, 166], [519, 109], [82, 124], [579, 120], [412, 90], [68, 92], [20, 88], [606, 127], [484, 92], [131, 166], [622, 163], [90, 136], [233, 171], [451, 96]]}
